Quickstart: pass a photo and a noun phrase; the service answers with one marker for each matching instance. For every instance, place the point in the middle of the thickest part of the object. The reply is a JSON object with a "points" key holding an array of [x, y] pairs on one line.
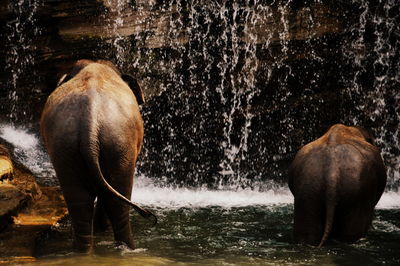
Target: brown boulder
{"points": [[26, 210], [15, 194], [11, 201]]}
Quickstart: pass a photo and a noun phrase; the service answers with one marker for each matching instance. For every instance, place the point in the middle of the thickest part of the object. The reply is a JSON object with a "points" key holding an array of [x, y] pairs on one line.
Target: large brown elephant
{"points": [[93, 132], [336, 181]]}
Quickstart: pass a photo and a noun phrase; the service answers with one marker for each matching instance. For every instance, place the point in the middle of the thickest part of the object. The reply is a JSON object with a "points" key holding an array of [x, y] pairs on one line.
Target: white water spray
{"points": [[30, 152]]}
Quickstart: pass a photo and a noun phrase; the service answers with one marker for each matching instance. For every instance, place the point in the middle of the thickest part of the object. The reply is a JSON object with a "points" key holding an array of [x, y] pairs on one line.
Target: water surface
{"points": [[224, 235]]}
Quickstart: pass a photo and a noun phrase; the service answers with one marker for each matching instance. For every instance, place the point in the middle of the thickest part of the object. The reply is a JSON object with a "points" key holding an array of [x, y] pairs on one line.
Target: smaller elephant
{"points": [[336, 182]]}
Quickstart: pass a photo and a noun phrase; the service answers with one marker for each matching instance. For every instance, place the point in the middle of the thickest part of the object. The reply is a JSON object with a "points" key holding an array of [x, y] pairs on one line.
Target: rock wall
{"points": [[40, 38]]}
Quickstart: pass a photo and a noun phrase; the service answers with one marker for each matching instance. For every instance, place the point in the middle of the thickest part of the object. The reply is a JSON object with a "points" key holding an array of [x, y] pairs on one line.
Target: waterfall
{"points": [[18, 34], [373, 86], [257, 80], [29, 151], [234, 88]]}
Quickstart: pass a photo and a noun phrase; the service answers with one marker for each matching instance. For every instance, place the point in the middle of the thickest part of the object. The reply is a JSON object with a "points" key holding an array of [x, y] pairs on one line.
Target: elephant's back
{"points": [[362, 174], [89, 104], [355, 168], [96, 92], [62, 121], [308, 170], [347, 157], [314, 161]]}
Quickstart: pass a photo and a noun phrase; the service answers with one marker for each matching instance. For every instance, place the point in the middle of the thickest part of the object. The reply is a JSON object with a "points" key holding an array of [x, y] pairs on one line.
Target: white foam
{"points": [[167, 197], [27, 149], [20, 138], [31, 153], [145, 193], [389, 200]]}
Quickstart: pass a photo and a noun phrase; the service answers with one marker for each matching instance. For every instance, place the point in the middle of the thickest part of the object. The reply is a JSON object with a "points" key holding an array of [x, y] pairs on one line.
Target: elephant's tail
{"points": [[330, 201], [92, 159]]}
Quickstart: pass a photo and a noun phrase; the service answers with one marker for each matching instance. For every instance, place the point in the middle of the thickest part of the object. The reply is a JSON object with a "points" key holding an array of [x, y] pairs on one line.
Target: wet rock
{"points": [[26, 182], [17, 193], [6, 169], [26, 210], [47, 210], [19, 242], [11, 201], [22, 177], [300, 24], [3, 8]]}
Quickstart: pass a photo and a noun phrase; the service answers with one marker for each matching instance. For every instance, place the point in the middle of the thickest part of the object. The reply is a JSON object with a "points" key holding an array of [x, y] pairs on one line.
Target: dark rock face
{"points": [[233, 88], [11, 201]]}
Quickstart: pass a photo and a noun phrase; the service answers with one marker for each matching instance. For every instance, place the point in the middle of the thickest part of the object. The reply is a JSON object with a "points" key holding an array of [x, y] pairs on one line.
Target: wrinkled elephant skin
{"points": [[336, 181], [93, 132]]}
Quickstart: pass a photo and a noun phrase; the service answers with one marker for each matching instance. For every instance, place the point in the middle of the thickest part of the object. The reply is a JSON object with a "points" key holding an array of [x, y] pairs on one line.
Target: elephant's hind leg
{"points": [[308, 221], [101, 223], [117, 163], [79, 197], [81, 216], [118, 211], [353, 223], [119, 217]]}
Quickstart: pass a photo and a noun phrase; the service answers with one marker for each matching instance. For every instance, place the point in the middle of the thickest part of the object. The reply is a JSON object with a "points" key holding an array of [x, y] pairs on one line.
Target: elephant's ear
{"points": [[64, 78], [367, 134], [134, 85]]}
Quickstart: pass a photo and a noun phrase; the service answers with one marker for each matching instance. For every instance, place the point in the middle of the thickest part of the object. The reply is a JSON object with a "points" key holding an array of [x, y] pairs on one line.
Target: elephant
{"points": [[336, 182], [93, 131]]}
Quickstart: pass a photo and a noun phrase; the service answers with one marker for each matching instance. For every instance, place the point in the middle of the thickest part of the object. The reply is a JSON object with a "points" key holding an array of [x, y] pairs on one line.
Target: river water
{"points": [[210, 226], [256, 234]]}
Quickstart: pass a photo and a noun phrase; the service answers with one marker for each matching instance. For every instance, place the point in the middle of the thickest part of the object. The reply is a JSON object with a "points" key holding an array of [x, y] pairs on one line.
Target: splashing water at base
{"points": [[146, 193], [31, 153], [168, 197]]}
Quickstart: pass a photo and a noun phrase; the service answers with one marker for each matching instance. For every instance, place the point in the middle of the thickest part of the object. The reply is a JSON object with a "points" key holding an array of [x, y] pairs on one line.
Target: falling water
{"points": [[115, 22], [236, 87], [30, 152], [239, 100], [374, 86], [18, 34]]}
